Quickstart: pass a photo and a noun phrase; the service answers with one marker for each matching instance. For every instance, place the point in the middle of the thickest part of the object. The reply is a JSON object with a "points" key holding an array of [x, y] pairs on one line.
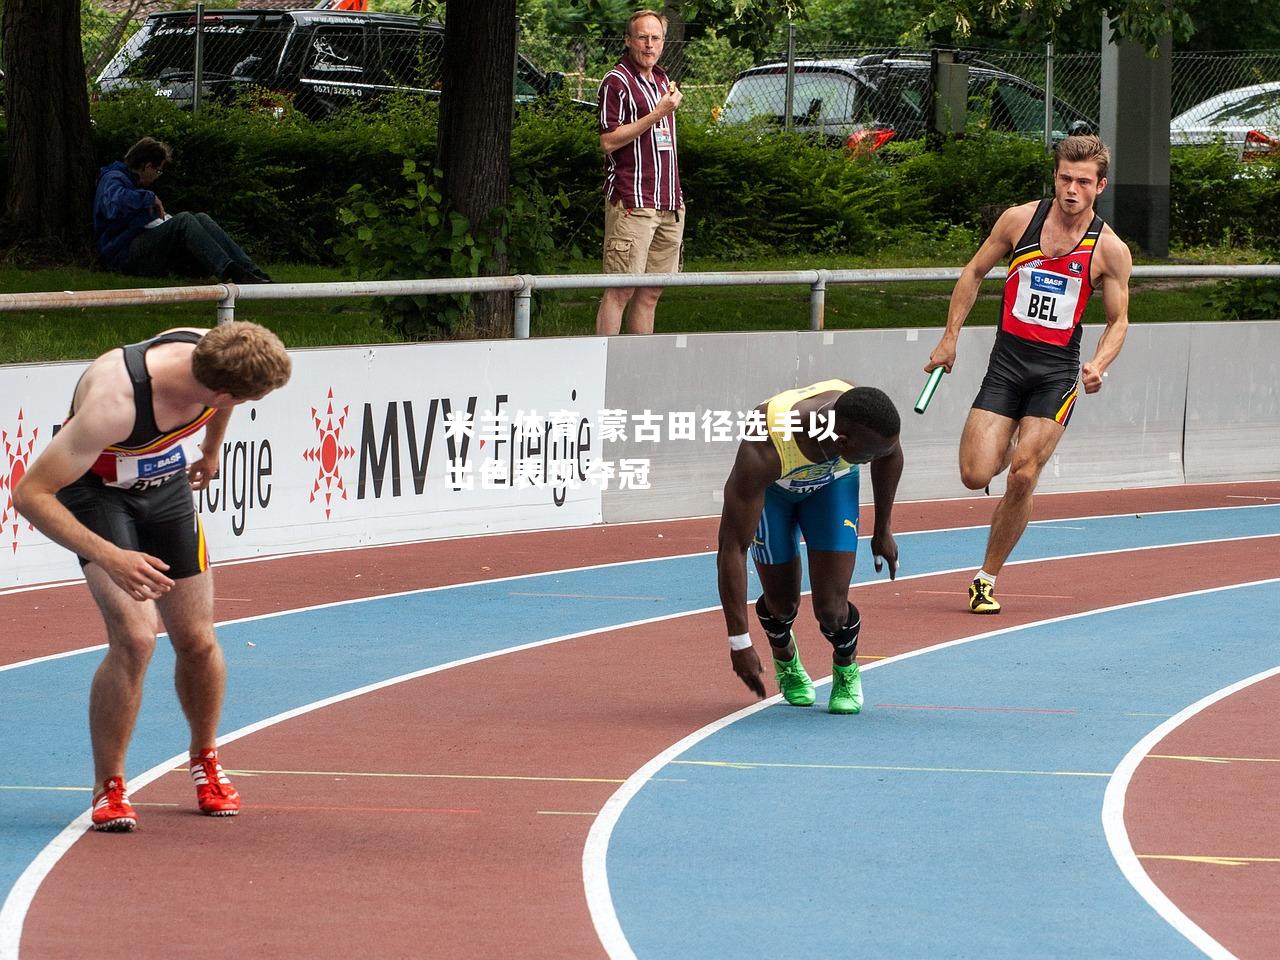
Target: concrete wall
{"points": [[1233, 402], [1194, 402]]}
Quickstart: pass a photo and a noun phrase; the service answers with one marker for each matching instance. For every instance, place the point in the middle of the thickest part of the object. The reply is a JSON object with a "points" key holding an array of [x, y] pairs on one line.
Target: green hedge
{"points": [[277, 180], [1216, 200]]}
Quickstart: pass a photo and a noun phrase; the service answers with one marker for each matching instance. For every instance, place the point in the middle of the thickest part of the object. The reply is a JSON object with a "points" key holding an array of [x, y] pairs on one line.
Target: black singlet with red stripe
{"points": [[149, 455]]}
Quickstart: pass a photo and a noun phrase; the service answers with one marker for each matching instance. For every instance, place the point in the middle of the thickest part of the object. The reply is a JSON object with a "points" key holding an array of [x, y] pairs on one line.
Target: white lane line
{"points": [[267, 558], [361, 547], [684, 556], [17, 903], [13, 913], [595, 874], [579, 596], [1118, 837], [382, 596]]}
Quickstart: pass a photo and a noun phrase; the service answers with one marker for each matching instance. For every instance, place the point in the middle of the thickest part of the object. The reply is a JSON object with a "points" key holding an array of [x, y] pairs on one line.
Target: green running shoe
{"points": [[846, 689], [793, 681]]}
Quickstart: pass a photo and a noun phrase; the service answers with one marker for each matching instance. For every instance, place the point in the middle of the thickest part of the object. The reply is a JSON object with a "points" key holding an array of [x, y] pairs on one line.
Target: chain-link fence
{"points": [[835, 90]]}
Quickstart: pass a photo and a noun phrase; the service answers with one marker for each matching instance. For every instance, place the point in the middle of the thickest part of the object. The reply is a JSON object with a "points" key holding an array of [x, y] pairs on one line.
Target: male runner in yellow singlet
{"points": [[798, 474], [1059, 252]]}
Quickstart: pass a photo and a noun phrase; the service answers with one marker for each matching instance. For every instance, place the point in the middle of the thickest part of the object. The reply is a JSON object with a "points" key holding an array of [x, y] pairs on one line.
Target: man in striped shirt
{"points": [[644, 209]]}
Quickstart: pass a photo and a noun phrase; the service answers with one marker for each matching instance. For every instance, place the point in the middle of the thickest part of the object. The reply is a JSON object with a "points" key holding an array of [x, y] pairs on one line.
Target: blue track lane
{"points": [[837, 848], [303, 657]]}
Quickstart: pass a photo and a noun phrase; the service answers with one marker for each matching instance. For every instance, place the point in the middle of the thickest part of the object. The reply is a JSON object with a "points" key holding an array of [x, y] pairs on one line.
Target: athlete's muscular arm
{"points": [[886, 471], [995, 248], [1117, 264], [69, 454], [202, 472], [755, 467]]}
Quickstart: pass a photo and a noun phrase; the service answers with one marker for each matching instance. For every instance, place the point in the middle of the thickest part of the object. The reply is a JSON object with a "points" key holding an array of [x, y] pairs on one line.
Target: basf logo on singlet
{"points": [[16, 446], [1048, 283]]}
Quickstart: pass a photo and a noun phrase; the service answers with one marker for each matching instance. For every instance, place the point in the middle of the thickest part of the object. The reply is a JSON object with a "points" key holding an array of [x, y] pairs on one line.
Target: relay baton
{"points": [[930, 385]]}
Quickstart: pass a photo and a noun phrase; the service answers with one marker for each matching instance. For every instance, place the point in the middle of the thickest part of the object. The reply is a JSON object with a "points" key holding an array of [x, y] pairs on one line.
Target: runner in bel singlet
{"points": [[1059, 251], [1036, 358]]}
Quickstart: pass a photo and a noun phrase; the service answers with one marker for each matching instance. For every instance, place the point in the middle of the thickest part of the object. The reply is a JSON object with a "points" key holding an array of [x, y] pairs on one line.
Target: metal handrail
{"points": [[522, 287]]}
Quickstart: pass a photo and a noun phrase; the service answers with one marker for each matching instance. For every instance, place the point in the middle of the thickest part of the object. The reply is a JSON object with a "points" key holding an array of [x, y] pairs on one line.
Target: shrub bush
{"points": [[1216, 200], [409, 234], [274, 182], [277, 180]]}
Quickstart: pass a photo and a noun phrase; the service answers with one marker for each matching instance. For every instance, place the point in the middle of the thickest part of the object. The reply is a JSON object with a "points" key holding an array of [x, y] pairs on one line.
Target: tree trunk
{"points": [[48, 204], [476, 102]]}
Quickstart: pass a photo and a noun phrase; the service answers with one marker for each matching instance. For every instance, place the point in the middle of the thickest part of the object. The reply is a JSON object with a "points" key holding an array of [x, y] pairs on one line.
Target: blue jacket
{"points": [[121, 210]]}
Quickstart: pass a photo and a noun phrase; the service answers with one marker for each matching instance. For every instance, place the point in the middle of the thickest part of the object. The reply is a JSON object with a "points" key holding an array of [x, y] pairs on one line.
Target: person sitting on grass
{"points": [[135, 235]]}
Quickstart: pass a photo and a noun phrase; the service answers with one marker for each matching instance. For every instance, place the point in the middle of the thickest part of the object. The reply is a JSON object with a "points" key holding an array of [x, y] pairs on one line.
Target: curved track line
{"points": [[416, 591], [595, 853], [1118, 837], [18, 902], [16, 905], [864, 543], [77, 827]]}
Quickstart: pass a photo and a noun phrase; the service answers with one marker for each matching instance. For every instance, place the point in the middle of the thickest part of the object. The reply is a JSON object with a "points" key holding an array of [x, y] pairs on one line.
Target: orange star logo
{"points": [[328, 453], [15, 456]]}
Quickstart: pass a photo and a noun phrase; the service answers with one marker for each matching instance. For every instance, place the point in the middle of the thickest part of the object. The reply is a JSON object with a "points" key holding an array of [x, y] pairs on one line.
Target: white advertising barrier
{"points": [[1128, 434], [367, 445]]}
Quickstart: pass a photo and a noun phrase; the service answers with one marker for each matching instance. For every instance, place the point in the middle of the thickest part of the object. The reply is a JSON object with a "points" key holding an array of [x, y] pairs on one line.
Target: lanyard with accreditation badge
{"points": [[662, 134], [663, 130]]}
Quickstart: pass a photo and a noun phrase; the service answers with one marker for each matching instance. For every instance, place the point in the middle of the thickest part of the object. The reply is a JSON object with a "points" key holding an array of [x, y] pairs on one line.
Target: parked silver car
{"points": [[1245, 120], [863, 102]]}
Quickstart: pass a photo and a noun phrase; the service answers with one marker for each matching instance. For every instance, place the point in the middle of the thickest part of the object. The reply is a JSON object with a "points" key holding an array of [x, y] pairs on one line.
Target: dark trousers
{"points": [[188, 244]]}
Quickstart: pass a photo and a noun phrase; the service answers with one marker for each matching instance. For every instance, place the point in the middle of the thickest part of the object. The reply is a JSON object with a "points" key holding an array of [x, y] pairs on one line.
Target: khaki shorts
{"points": [[642, 240]]}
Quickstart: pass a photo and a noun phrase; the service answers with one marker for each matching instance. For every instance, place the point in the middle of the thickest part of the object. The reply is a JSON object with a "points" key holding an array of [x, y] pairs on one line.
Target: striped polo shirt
{"points": [[643, 173]]}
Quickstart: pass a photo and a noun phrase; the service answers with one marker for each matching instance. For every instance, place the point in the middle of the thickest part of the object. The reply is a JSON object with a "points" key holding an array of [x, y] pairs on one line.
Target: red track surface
{"points": [[325, 863]]}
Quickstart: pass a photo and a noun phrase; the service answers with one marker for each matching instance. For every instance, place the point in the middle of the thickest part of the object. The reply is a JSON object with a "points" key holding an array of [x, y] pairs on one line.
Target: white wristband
{"points": [[741, 642]]}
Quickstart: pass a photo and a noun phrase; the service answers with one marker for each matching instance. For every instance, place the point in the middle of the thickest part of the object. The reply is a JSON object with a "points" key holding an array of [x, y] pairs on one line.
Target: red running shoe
{"points": [[214, 792], [111, 808]]}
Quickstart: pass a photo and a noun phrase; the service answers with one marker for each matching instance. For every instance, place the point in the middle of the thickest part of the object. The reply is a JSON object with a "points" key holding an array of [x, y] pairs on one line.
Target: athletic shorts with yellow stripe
{"points": [[828, 518], [1029, 380], [161, 520]]}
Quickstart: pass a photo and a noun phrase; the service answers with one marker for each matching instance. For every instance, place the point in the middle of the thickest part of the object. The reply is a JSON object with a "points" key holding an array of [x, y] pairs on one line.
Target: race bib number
{"points": [[140, 472], [812, 477], [1047, 299]]}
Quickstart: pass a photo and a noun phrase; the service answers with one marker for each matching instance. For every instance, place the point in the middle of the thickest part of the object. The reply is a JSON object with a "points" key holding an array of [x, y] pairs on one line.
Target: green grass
{"points": [[76, 334], [35, 336]]}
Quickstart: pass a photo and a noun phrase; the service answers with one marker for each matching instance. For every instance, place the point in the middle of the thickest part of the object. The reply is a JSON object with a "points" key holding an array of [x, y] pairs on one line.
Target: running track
{"points": [[1091, 775]]}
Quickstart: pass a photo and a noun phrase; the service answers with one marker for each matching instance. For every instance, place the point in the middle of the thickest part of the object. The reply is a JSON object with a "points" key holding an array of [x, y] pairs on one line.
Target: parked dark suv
{"points": [[321, 59], [866, 101]]}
